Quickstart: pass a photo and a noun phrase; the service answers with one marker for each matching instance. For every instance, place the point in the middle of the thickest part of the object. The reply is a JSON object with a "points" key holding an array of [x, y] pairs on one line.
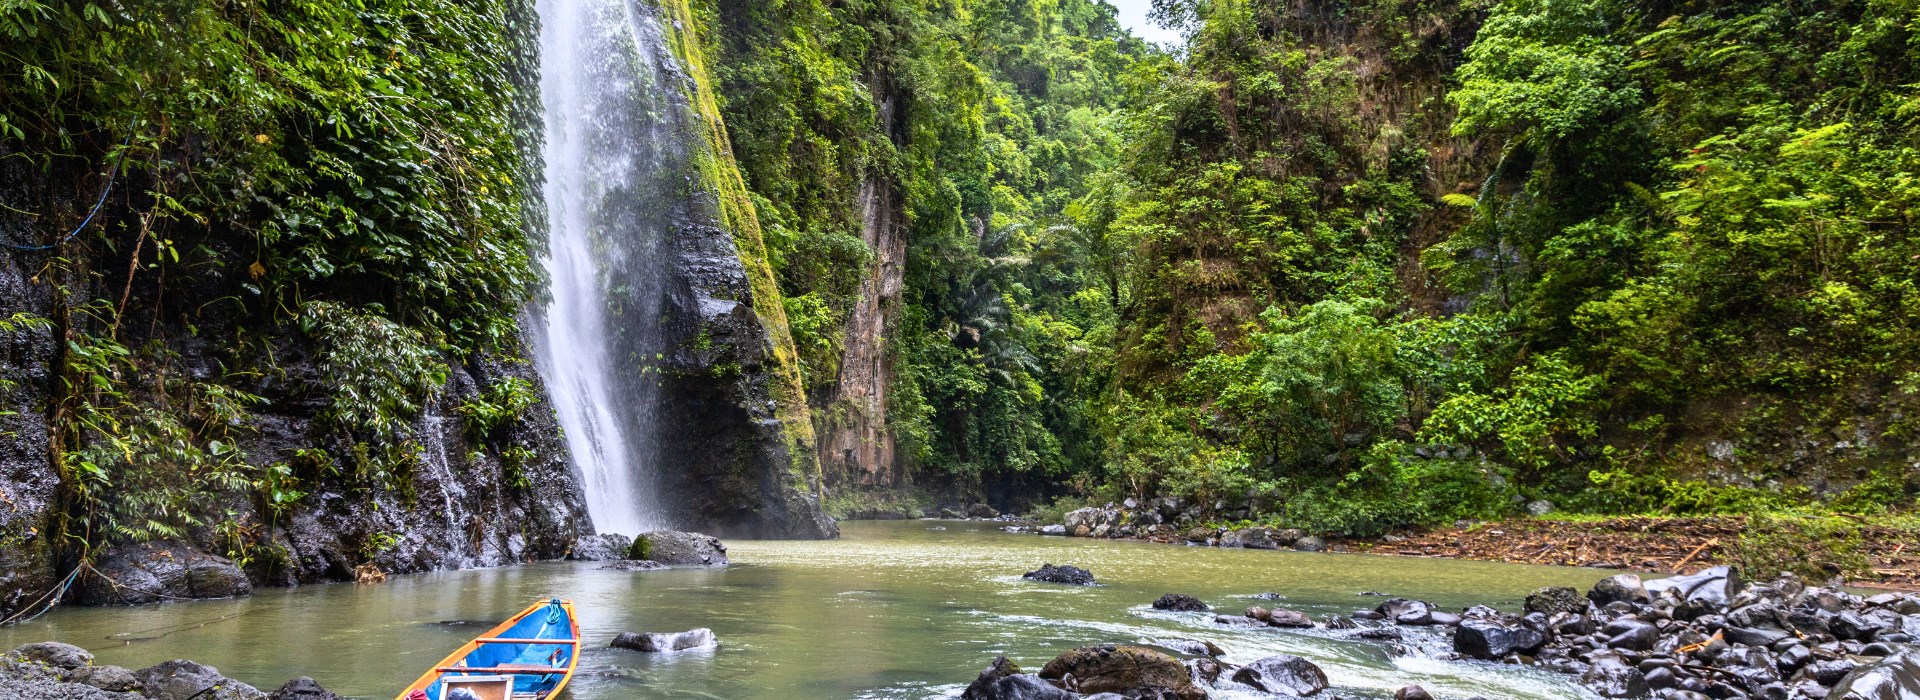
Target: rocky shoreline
{"points": [[1891, 555], [56, 671], [1706, 636]]}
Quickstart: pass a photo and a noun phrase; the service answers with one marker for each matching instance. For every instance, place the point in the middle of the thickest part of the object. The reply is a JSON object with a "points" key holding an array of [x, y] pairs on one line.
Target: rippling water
{"points": [[894, 610]]}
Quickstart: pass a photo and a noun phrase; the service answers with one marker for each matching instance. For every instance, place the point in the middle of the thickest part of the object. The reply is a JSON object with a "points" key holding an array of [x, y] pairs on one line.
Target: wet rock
{"points": [[137, 574], [679, 548], [1126, 670], [1609, 676], [1856, 626], [1896, 677], [1556, 599], [658, 642], [1631, 634], [1055, 530], [180, 679], [635, 565], [1283, 674], [1619, 588], [303, 688], [1407, 612], [1239, 621], [1070, 575], [1412, 692], [1827, 672], [1490, 640], [1310, 543], [1752, 637], [1716, 586], [54, 654], [1341, 622], [603, 547], [1180, 603], [1289, 619], [982, 510], [1003, 681]]}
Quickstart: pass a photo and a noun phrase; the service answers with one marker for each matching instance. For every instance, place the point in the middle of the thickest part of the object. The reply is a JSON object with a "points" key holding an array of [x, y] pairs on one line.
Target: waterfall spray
{"points": [[600, 85]]}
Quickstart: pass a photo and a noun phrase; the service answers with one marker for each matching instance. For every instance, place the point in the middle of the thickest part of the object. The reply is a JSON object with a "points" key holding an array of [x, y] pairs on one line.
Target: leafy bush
{"points": [[380, 374]]}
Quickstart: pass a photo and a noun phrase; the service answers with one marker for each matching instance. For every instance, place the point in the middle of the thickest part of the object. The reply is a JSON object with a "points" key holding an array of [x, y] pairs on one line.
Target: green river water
{"points": [[910, 609]]}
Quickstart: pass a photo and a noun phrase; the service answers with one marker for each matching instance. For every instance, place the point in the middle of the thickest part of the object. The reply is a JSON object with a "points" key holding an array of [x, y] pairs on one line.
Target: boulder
{"points": [[1283, 674], [1492, 640], [1716, 586], [603, 547], [105, 677], [1250, 538], [1610, 676], [982, 510], [1895, 677], [1289, 619], [1556, 599], [1056, 530], [660, 642], [1631, 634], [1620, 588], [1412, 692], [1406, 612], [303, 688], [679, 548], [1310, 543], [1070, 575], [54, 654], [180, 679], [1180, 603], [1127, 670], [1003, 681], [137, 574]]}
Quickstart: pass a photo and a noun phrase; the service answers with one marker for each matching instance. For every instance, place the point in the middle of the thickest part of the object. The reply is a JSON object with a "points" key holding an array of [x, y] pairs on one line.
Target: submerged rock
{"points": [[1003, 681], [635, 565], [137, 574], [657, 642], [1126, 670], [1283, 674], [679, 548], [1071, 575], [1178, 602]]}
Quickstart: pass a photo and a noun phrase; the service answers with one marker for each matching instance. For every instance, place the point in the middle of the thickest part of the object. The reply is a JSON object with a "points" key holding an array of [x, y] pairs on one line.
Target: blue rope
{"points": [[96, 205]]}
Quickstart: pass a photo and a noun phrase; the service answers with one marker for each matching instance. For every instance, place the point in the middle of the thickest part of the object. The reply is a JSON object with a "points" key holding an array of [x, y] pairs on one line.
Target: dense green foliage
{"points": [[354, 170], [1324, 266]]}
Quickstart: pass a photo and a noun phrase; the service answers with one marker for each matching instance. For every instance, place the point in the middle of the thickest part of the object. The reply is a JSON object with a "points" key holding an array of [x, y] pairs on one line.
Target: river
{"points": [[893, 610]]}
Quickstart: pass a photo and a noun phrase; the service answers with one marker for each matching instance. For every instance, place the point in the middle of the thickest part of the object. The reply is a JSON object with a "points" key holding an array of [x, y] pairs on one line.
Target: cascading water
{"points": [[606, 157]]}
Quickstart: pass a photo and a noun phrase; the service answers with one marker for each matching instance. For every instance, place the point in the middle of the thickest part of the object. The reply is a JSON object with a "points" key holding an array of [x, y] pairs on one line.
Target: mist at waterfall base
{"points": [[606, 148]]}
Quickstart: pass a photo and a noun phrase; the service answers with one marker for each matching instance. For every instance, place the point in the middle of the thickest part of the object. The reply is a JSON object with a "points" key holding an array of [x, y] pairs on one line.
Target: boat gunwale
{"points": [[434, 673]]}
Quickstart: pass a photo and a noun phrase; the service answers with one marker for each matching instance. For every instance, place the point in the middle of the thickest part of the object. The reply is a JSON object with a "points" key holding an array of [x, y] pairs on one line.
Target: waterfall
{"points": [[603, 78]]}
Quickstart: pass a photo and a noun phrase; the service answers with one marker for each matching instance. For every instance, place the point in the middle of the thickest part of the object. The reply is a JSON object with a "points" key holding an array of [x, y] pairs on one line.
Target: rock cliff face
{"points": [[734, 433], [730, 435], [856, 447]]}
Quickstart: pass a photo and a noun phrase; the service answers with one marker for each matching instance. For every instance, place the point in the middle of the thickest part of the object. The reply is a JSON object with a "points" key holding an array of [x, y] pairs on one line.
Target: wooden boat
{"points": [[531, 656]]}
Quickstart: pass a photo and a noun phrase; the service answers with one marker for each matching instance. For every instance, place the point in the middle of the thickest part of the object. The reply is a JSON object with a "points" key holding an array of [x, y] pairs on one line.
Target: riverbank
{"points": [[1865, 552], [1874, 552]]}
